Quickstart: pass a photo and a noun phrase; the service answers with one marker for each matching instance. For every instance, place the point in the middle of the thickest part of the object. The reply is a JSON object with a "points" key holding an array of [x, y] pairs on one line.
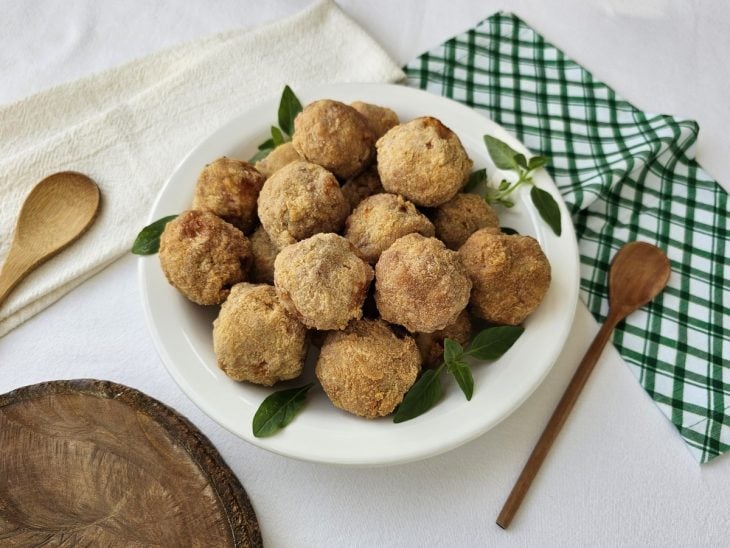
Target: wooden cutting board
{"points": [[87, 462]]}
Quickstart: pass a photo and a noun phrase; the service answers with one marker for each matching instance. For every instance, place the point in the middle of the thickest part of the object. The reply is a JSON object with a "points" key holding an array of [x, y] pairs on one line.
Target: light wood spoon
{"points": [[639, 272], [56, 212]]}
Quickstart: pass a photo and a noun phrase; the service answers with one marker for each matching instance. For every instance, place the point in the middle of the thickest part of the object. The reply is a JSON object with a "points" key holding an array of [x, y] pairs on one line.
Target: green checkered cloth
{"points": [[625, 175]]}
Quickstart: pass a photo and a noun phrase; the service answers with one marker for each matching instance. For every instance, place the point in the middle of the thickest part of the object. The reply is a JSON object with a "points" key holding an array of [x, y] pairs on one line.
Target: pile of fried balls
{"points": [[355, 235]]}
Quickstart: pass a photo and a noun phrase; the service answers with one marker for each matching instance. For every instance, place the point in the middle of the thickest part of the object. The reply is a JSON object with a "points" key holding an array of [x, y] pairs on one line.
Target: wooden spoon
{"points": [[639, 272], [56, 212]]}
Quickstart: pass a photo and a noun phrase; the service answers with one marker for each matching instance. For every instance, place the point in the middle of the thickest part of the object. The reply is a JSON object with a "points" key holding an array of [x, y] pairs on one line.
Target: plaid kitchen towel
{"points": [[625, 175]]}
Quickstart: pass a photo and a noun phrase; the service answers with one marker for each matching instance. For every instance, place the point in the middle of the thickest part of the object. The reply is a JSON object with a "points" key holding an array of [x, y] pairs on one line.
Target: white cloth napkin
{"points": [[129, 127]]}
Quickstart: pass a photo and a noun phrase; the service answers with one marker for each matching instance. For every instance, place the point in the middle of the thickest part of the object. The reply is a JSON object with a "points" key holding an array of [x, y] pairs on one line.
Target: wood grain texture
{"points": [[639, 272], [86, 462], [55, 213]]}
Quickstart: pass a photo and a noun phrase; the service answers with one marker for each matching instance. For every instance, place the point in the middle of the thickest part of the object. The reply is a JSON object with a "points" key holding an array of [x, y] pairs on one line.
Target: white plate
{"points": [[182, 331]]}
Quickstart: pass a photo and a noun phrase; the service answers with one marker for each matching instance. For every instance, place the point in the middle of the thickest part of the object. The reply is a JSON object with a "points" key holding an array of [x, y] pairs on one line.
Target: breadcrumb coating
{"points": [[380, 220], [334, 136], [510, 275], [203, 256], [460, 217], [300, 200], [322, 281], [229, 188], [255, 339], [424, 161], [420, 284], [380, 119], [361, 186], [263, 253], [366, 369], [276, 159], [431, 345]]}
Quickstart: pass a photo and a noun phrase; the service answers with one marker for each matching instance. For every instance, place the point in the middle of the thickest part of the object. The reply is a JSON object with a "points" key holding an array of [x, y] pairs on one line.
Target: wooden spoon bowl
{"points": [[57, 211]]}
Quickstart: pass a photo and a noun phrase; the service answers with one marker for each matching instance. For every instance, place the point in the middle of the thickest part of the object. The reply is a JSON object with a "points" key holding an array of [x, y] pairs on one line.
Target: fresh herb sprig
{"points": [[489, 344], [505, 157], [148, 239], [278, 410], [289, 107], [508, 159]]}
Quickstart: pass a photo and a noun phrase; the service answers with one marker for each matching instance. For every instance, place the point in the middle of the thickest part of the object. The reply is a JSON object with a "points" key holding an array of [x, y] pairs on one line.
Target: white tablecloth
{"points": [[619, 473]]}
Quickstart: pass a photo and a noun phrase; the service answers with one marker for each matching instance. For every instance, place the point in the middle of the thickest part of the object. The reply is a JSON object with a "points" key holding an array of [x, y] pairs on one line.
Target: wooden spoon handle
{"points": [[556, 421], [12, 272]]}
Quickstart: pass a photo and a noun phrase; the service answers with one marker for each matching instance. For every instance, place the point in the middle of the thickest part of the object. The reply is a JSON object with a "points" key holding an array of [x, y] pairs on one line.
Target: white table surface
{"points": [[619, 473]]}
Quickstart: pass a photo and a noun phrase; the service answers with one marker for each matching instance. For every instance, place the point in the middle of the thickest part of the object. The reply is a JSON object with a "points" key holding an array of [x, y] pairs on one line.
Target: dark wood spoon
{"points": [[639, 272]]}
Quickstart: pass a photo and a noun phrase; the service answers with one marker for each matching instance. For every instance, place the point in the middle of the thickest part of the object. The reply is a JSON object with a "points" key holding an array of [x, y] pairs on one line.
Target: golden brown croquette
{"points": [[334, 136], [380, 119], [300, 200], [366, 369], [420, 284], [380, 220], [255, 339], [510, 275], [276, 159], [263, 253], [229, 188], [322, 281], [203, 256], [424, 161], [460, 217]]}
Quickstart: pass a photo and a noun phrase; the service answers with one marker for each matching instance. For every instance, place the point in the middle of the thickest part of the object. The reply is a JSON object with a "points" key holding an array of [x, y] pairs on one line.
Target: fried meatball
{"points": [[277, 158], [424, 161], [380, 220], [420, 284], [380, 119], [229, 188], [361, 186], [255, 339], [203, 256], [263, 253], [431, 345], [460, 217], [300, 200], [366, 369], [510, 275], [322, 281], [334, 136]]}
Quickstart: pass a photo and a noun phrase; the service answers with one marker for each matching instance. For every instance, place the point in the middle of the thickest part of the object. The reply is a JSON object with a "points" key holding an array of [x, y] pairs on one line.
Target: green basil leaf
{"points": [[452, 350], [260, 155], [277, 136], [289, 107], [148, 239], [520, 160], [278, 410], [422, 396], [501, 153], [508, 230], [547, 207], [504, 185], [476, 179], [536, 162], [463, 376], [491, 343], [267, 144]]}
